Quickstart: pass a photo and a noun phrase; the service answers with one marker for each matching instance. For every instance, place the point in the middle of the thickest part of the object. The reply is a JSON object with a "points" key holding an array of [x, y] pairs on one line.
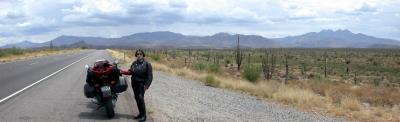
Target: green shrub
{"points": [[15, 51], [155, 57], [11, 51], [199, 66], [251, 73], [2, 53], [215, 68], [211, 81], [377, 81], [227, 61]]}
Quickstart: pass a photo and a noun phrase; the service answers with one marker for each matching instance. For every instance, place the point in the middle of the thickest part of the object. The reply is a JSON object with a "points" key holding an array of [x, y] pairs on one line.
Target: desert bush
{"points": [[352, 104], [155, 57], [11, 51], [211, 81], [297, 96], [378, 96], [227, 62], [15, 51], [2, 53], [199, 66], [251, 73], [215, 68]]}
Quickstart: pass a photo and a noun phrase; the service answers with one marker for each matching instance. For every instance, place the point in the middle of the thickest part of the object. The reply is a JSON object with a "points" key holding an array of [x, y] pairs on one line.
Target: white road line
{"points": [[27, 87], [33, 63]]}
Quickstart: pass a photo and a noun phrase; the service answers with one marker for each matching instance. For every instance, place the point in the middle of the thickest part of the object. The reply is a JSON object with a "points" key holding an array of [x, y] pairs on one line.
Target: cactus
{"points": [[272, 66], [304, 70], [208, 56], [248, 58], [239, 55], [355, 78], [286, 69], [325, 65], [266, 67], [185, 61]]}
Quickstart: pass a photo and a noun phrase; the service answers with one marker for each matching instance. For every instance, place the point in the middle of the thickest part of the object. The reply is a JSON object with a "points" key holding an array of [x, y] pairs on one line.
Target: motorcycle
{"points": [[103, 83]]}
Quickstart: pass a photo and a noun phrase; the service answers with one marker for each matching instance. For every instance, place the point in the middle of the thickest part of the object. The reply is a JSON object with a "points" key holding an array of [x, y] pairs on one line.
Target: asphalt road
{"points": [[58, 97]]}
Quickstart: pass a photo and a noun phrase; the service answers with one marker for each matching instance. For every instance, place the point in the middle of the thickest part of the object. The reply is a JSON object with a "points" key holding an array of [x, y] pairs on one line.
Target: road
{"points": [[58, 97]]}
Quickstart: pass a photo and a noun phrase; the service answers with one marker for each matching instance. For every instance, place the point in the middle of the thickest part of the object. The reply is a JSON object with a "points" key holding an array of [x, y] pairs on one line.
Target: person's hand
{"points": [[146, 87], [125, 72]]}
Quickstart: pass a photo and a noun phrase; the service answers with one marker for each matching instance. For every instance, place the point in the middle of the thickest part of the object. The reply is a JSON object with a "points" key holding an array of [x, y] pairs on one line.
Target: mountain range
{"points": [[166, 39]]}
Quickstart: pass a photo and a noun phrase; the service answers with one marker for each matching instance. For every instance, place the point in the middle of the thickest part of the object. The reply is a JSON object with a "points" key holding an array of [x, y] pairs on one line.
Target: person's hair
{"points": [[139, 50]]}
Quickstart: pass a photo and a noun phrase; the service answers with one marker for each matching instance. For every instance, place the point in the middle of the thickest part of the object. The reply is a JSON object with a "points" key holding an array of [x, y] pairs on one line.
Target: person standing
{"points": [[142, 76]]}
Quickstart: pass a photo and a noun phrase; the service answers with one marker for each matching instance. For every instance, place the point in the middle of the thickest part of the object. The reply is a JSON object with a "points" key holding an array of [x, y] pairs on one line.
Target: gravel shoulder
{"points": [[172, 98]]}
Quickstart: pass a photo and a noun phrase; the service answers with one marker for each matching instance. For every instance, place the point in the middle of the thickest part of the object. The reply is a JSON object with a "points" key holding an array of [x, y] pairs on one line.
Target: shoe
{"points": [[142, 119], [138, 116]]}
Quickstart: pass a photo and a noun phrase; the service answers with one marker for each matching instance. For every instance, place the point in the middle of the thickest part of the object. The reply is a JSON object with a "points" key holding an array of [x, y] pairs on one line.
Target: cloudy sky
{"points": [[43, 20]]}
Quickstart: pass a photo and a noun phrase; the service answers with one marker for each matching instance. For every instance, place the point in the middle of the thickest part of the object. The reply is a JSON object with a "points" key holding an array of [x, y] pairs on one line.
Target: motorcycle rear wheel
{"points": [[109, 108]]}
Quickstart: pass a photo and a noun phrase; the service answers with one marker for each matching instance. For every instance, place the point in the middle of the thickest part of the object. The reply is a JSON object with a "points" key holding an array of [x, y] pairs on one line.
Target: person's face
{"points": [[139, 55]]}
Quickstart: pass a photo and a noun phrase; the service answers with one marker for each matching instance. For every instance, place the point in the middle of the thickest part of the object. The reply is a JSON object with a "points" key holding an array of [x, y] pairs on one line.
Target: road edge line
{"points": [[37, 82]]}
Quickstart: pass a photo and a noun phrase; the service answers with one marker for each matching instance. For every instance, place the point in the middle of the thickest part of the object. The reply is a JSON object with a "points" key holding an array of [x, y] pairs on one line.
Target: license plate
{"points": [[106, 90]]}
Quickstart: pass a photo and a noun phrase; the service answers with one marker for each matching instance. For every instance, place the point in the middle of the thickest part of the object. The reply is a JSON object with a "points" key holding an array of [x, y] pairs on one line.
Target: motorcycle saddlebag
{"points": [[89, 91], [121, 85]]}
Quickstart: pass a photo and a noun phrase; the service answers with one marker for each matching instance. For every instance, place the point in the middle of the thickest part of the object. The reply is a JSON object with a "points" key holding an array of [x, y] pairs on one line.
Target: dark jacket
{"points": [[141, 72]]}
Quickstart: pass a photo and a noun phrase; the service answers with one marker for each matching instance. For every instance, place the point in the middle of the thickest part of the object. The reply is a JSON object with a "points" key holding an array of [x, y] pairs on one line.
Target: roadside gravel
{"points": [[172, 98]]}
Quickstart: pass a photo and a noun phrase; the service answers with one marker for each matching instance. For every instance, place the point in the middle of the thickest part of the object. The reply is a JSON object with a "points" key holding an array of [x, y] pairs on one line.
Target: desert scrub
{"points": [[350, 103], [155, 57], [199, 66], [214, 68], [251, 73], [211, 81], [11, 51]]}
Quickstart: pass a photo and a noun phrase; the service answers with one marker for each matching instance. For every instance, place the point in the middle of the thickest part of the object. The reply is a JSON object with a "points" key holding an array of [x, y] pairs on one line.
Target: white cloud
{"points": [[90, 7], [24, 24], [45, 19]]}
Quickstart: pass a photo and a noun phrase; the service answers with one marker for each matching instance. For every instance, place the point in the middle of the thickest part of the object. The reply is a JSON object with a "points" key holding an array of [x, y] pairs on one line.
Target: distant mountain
{"points": [[334, 39], [68, 40], [24, 44], [79, 44], [166, 39], [384, 46]]}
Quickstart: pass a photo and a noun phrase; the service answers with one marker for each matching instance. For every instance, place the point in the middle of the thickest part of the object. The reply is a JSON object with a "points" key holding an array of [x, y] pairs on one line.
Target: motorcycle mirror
{"points": [[86, 66], [116, 62]]}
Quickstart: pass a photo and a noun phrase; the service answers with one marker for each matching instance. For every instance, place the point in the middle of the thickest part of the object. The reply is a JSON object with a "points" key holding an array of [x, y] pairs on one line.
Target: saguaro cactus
{"points": [[266, 66], [51, 45], [239, 55], [208, 56], [287, 69], [304, 70], [272, 66], [249, 58], [325, 65], [355, 78]]}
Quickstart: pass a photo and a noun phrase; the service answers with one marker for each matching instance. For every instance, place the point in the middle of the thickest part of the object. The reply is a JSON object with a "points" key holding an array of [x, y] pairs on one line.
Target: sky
{"points": [[44, 20]]}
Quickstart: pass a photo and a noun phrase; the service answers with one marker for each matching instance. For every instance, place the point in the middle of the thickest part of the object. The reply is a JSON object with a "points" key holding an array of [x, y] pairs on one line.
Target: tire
{"points": [[109, 108], [89, 91]]}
